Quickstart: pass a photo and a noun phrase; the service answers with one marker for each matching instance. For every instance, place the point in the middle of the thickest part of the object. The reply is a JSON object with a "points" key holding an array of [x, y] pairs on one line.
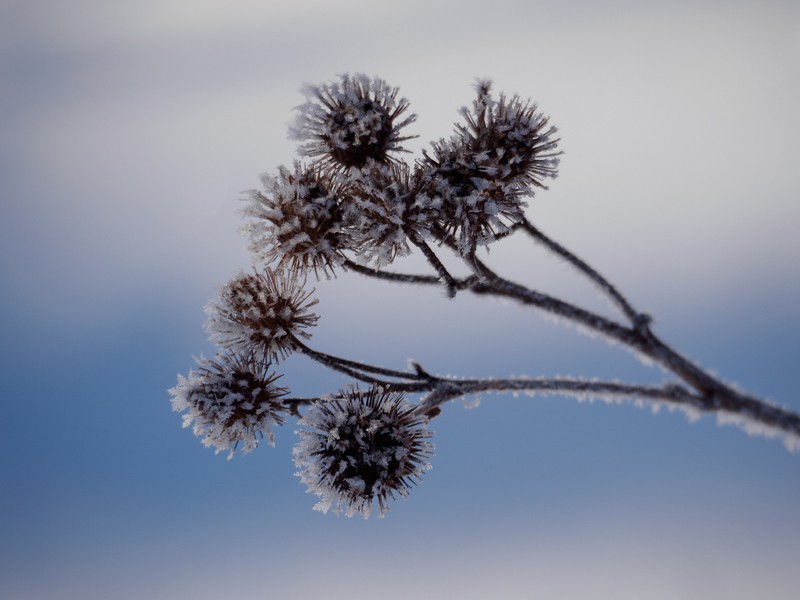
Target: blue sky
{"points": [[130, 131]]}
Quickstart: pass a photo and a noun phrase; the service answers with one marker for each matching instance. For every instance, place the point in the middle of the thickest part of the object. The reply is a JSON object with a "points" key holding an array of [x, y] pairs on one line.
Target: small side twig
{"points": [[390, 276], [446, 278], [622, 303], [355, 368]]}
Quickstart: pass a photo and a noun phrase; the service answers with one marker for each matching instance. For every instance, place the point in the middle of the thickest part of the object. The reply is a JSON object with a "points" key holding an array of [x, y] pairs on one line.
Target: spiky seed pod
{"points": [[509, 140], [258, 314], [505, 150], [361, 447], [382, 209], [473, 211], [296, 221], [230, 402], [351, 121]]}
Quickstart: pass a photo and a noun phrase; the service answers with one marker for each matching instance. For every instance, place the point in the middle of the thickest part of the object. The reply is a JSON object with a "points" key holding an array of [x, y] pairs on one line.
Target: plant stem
{"points": [[634, 316], [446, 278]]}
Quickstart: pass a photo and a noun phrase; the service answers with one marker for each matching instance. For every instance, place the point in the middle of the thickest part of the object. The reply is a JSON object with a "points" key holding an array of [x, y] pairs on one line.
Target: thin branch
{"points": [[336, 365], [451, 388], [461, 284], [718, 395], [507, 233], [433, 260], [473, 262], [504, 288], [354, 367], [750, 412], [390, 276], [753, 415], [480, 267], [632, 314], [293, 404]]}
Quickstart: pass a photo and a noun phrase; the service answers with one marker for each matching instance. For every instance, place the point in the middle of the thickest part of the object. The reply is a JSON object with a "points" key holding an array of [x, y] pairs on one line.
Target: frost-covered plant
{"points": [[355, 206], [360, 446], [230, 402], [296, 222], [482, 173], [351, 122], [261, 314]]}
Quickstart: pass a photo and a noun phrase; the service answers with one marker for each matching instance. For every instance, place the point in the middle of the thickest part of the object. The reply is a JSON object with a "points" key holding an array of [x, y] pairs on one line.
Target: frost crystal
{"points": [[360, 447], [260, 314], [349, 122], [231, 402]]}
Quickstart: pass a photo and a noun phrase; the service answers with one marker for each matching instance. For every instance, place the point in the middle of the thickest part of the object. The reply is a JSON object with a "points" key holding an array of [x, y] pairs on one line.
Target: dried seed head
{"points": [[505, 150], [260, 314], [381, 209], [350, 122], [473, 211], [362, 446], [296, 221], [509, 140], [230, 402]]}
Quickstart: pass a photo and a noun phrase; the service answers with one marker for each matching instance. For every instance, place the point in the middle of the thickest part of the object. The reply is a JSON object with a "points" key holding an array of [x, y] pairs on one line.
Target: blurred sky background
{"points": [[129, 132]]}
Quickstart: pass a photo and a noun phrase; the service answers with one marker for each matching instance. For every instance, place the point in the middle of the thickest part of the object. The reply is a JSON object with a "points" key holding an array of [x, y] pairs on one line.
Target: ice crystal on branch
{"points": [[230, 402], [259, 314], [362, 447], [350, 122], [505, 150], [296, 222]]}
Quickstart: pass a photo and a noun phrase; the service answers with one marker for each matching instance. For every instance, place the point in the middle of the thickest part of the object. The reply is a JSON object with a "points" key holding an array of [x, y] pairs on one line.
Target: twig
{"points": [[433, 260], [352, 366], [633, 315]]}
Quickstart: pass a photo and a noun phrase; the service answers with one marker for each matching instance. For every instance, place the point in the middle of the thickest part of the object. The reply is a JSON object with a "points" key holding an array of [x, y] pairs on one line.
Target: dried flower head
{"points": [[382, 209], [475, 214], [509, 140], [349, 122], [260, 314], [505, 150], [363, 446], [230, 402], [296, 221]]}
